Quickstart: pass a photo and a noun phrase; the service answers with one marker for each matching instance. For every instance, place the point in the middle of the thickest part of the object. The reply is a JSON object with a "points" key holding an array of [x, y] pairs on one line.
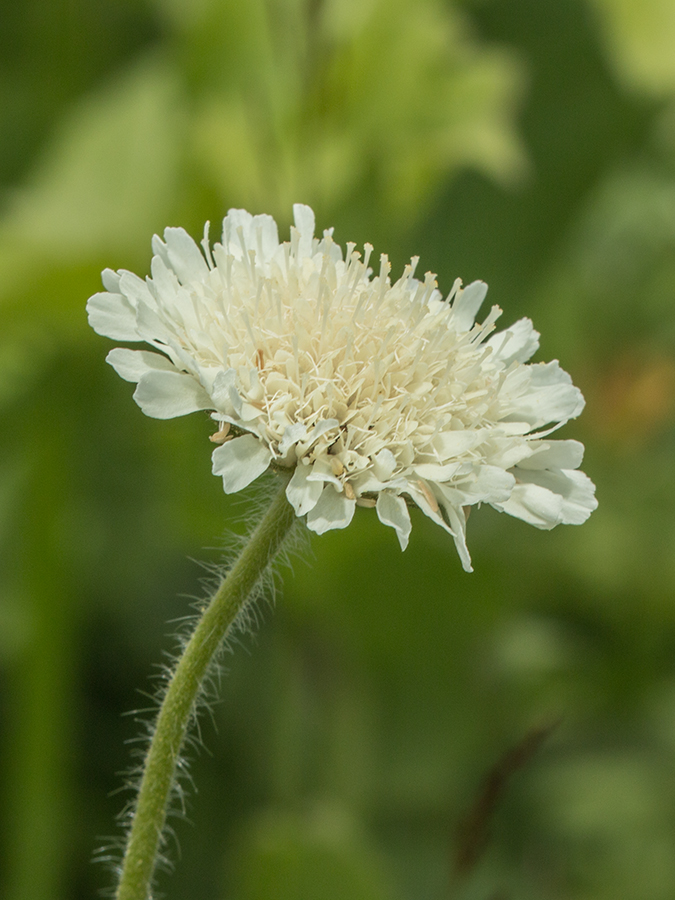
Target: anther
{"points": [[222, 434]]}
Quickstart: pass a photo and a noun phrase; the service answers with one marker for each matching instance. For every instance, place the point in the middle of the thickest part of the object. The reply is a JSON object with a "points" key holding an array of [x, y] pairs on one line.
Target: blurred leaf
{"points": [[317, 856], [15, 618], [104, 184], [640, 36], [613, 809], [382, 96], [618, 266]]}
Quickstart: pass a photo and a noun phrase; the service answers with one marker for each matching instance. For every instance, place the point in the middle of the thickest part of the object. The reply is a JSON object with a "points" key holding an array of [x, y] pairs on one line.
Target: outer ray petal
{"points": [[305, 223], [135, 289], [111, 281], [132, 365], [423, 498], [263, 237], [533, 504], [113, 316], [167, 394], [302, 493], [555, 455], [233, 221], [575, 490], [515, 344], [292, 434], [457, 518], [466, 306], [185, 257], [487, 484], [541, 394], [332, 510], [240, 461], [393, 511]]}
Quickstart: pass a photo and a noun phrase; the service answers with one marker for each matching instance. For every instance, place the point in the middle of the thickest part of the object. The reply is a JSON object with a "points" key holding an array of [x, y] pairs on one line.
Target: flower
{"points": [[374, 394]]}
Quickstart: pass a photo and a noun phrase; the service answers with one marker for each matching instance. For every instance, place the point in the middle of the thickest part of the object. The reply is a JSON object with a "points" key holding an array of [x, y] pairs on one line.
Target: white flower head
{"points": [[373, 393]]}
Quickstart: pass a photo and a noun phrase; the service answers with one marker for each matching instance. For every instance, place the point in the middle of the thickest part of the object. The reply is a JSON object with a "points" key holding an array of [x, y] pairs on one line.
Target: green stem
{"points": [[184, 686]]}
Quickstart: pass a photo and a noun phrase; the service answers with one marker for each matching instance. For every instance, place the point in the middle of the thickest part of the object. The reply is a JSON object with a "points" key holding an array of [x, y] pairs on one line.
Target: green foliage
{"points": [[333, 100], [316, 856], [639, 37], [530, 144]]}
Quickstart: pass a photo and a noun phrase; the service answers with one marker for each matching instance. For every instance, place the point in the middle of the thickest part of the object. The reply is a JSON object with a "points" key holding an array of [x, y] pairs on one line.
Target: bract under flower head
{"points": [[375, 394]]}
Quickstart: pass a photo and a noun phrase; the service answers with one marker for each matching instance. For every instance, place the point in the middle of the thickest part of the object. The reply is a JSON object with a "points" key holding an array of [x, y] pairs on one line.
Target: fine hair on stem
{"points": [[231, 606]]}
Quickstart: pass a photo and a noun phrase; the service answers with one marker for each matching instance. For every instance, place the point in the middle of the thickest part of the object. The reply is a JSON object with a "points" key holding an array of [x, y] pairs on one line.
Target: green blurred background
{"points": [[528, 143]]}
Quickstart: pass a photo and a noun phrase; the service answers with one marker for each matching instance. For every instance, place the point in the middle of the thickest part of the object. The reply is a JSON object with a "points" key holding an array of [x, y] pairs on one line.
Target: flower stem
{"points": [[178, 705]]}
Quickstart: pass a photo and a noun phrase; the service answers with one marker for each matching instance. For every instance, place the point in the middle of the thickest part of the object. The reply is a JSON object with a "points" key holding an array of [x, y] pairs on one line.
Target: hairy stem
{"points": [[184, 686]]}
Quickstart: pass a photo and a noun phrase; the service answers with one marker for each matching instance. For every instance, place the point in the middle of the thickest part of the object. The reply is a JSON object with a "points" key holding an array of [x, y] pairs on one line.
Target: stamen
{"points": [[428, 496], [456, 287], [222, 434], [206, 246], [253, 267]]}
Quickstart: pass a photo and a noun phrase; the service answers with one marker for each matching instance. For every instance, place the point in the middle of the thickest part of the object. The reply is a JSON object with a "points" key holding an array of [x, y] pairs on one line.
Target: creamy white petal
{"points": [[185, 257], [305, 223], [132, 365], [111, 315], [554, 455], [365, 482], [575, 489], [224, 393], [264, 238], [384, 464], [240, 461], [135, 289], [292, 434], [453, 443], [159, 249], [507, 452], [542, 393], [111, 281], [150, 327], [303, 493], [392, 510], [465, 307], [332, 510], [423, 497], [434, 472], [511, 428], [167, 394], [207, 375], [488, 483], [249, 413], [579, 501], [322, 470], [457, 518], [236, 228], [164, 282], [320, 429], [515, 344], [533, 504]]}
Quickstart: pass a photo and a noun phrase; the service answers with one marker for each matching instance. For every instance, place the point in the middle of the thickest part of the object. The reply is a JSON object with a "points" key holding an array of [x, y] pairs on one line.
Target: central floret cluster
{"points": [[376, 394]]}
